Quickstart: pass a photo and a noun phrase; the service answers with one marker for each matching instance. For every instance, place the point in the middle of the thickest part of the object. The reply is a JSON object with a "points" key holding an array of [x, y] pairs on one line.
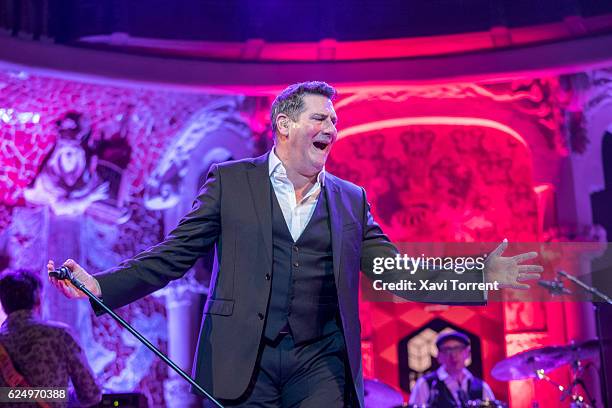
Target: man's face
{"points": [[311, 136], [453, 354]]}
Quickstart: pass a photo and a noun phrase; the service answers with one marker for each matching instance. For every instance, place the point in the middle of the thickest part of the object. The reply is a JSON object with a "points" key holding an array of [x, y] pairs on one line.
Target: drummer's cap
{"points": [[452, 335]]}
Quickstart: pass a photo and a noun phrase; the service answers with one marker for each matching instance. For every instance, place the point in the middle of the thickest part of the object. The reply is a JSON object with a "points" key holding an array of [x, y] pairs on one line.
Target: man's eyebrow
{"points": [[334, 118]]}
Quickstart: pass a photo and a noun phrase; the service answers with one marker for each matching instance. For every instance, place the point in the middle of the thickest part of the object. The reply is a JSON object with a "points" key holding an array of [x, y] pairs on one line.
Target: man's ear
{"points": [[282, 124]]}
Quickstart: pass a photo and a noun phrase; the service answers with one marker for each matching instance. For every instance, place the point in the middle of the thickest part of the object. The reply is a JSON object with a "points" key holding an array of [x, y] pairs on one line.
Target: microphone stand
{"points": [[136, 334], [593, 290]]}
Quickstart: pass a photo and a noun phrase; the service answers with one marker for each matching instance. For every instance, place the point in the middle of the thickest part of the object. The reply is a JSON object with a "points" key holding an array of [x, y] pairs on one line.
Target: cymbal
{"points": [[527, 363], [380, 395], [589, 346]]}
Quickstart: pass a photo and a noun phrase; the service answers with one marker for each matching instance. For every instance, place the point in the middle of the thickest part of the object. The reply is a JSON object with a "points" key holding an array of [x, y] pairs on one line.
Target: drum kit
{"points": [[380, 395], [537, 363], [534, 364]]}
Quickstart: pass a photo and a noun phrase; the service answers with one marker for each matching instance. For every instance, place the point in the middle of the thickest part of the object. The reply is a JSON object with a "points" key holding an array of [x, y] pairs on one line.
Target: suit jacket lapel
{"points": [[333, 196], [259, 182]]}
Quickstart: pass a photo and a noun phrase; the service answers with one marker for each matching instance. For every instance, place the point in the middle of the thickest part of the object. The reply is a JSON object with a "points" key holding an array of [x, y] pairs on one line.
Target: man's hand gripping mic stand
{"points": [[64, 273]]}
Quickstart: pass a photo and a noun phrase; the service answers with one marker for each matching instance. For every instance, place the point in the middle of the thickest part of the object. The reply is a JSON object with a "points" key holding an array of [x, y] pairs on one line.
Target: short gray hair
{"points": [[291, 102]]}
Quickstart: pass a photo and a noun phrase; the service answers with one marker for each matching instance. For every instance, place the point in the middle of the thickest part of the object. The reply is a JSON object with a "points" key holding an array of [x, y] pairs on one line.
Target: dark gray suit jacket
{"points": [[233, 211]]}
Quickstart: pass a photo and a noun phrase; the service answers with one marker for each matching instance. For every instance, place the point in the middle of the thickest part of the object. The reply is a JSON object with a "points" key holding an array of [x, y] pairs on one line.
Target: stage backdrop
{"points": [[97, 172]]}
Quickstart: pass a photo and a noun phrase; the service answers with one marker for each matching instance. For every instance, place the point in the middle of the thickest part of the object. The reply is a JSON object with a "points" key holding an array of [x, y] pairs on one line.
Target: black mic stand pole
{"points": [[139, 336], [593, 290]]}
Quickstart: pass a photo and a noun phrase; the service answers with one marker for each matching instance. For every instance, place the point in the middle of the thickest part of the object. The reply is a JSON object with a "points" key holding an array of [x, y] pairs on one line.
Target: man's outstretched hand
{"points": [[67, 288], [507, 271]]}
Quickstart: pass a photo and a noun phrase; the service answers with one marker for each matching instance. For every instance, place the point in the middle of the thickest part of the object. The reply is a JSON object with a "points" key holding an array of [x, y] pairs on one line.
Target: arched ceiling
{"points": [[305, 30], [259, 46]]}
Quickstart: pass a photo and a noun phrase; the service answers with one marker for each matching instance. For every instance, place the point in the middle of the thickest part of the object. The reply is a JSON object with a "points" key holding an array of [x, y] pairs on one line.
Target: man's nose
{"points": [[330, 128]]}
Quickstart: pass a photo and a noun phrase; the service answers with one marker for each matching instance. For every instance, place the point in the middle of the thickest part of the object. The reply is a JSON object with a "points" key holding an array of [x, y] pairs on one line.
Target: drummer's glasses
{"points": [[452, 350]]}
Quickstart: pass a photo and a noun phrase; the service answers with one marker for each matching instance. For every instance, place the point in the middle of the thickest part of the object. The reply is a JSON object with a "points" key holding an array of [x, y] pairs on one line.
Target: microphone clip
{"points": [[61, 273]]}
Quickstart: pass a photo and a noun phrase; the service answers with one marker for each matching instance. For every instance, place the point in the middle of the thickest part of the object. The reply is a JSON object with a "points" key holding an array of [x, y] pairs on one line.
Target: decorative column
{"points": [[581, 174], [216, 133], [184, 301], [599, 129]]}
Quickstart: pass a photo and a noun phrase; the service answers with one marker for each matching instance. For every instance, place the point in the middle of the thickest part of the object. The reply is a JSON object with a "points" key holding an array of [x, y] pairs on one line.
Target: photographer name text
{"points": [[442, 285]]}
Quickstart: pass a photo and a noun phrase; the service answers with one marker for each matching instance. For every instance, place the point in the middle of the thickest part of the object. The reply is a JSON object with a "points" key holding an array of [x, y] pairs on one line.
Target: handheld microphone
{"points": [[555, 287], [61, 273]]}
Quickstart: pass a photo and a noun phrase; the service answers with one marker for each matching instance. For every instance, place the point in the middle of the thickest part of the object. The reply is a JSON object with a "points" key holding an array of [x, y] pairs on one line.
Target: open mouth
{"points": [[320, 145]]}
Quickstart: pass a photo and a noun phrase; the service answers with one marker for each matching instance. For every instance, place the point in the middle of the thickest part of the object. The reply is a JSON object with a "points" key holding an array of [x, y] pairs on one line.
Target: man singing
{"points": [[281, 324]]}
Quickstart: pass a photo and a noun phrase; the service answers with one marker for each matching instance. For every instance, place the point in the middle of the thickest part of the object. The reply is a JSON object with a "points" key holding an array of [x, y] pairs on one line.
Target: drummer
{"points": [[451, 385]]}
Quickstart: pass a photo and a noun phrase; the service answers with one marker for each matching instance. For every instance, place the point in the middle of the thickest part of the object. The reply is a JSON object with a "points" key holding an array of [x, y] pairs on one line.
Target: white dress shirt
{"points": [[296, 214], [420, 393]]}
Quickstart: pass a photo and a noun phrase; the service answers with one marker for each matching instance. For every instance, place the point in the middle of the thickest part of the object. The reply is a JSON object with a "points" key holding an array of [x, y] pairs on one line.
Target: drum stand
{"points": [[537, 362], [577, 400]]}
